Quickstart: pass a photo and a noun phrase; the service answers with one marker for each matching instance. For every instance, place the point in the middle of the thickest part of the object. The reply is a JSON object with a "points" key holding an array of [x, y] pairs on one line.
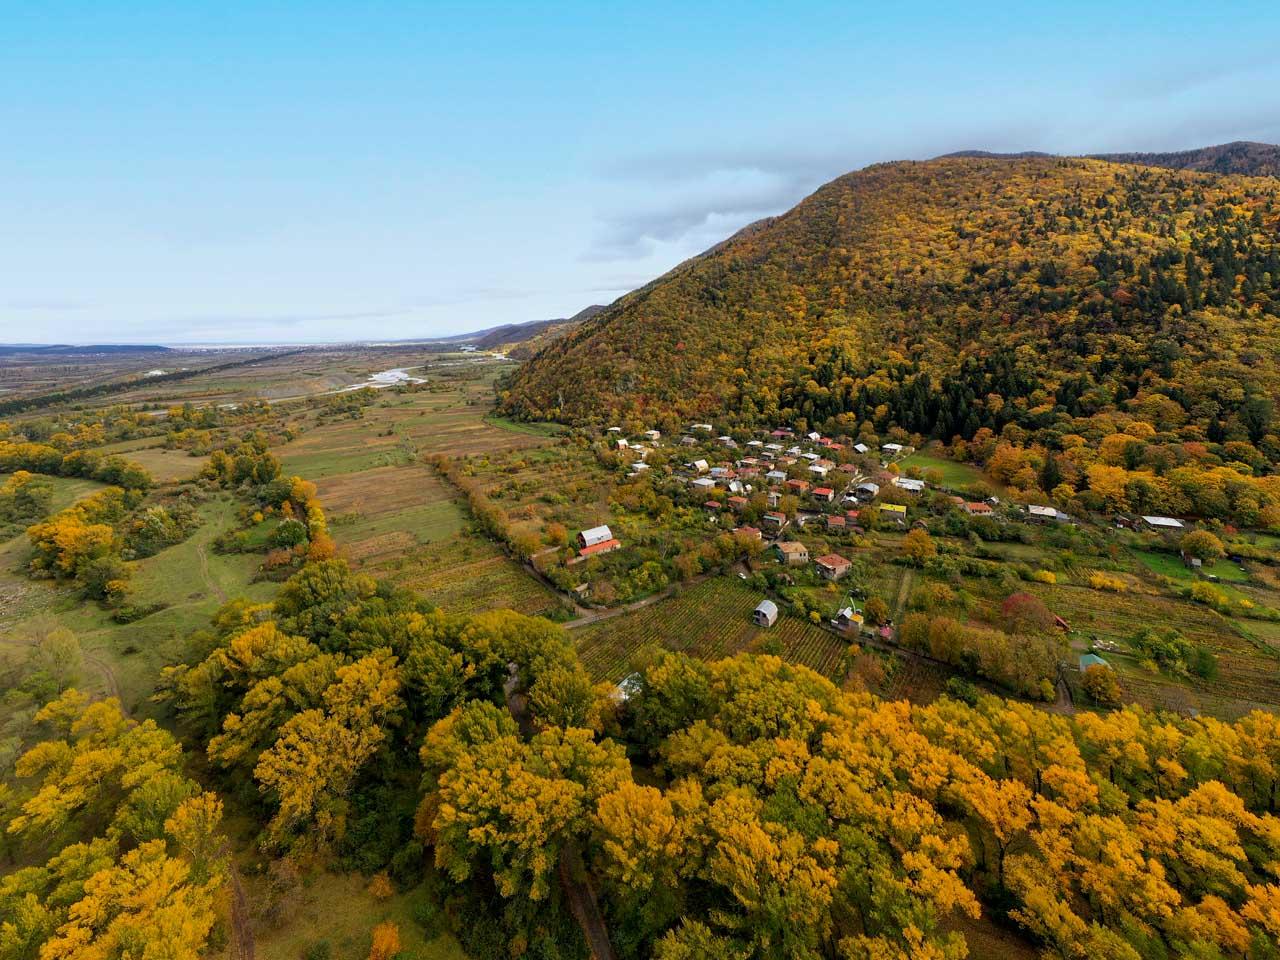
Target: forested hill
{"points": [[950, 295], [1241, 156]]}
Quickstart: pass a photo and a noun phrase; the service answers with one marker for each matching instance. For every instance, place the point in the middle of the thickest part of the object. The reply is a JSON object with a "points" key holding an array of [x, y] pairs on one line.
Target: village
{"points": [[813, 518]]}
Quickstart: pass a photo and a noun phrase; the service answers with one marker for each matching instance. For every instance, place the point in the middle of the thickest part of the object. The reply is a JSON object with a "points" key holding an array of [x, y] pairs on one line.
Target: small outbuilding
{"points": [[765, 614]]}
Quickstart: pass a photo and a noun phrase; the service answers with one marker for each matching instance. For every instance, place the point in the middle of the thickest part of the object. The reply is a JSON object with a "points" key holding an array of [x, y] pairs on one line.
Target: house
{"points": [[727, 441], [594, 536], [895, 512], [713, 506], [621, 443], [792, 553], [815, 436], [1161, 524], [738, 503], [653, 436], [977, 509], [825, 494], [818, 470], [804, 519], [765, 614], [909, 484], [755, 444], [848, 619], [751, 533], [704, 427], [699, 465], [703, 484], [775, 521], [861, 448], [773, 447], [638, 468], [1092, 660], [848, 468], [774, 498], [688, 442], [775, 476], [722, 473], [614, 430], [811, 457], [1046, 514], [798, 486], [866, 491], [832, 566], [893, 449], [836, 522]]}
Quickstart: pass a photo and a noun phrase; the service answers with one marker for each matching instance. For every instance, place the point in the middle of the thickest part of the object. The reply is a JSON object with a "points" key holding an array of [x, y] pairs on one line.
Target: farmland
{"points": [[392, 515], [710, 620]]}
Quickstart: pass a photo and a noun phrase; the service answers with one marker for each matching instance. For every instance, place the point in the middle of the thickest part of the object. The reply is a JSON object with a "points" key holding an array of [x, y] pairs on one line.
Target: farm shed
{"points": [[595, 535], [765, 614], [1163, 524], [1092, 660]]}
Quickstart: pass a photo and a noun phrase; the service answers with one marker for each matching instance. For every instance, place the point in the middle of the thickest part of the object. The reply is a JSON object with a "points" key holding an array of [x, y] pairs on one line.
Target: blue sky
{"points": [[285, 171]]}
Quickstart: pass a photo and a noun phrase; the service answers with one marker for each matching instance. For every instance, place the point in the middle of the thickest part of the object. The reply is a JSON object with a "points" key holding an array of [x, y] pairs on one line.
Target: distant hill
{"points": [[950, 295], [520, 338], [1241, 157], [63, 349]]}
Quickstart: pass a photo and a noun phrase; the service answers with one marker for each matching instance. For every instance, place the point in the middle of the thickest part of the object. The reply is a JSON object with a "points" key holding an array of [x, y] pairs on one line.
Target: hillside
{"points": [[950, 295]]}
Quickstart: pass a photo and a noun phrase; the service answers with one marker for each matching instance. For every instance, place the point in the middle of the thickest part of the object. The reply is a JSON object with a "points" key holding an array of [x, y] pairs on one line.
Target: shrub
{"points": [[1044, 576], [1102, 581]]}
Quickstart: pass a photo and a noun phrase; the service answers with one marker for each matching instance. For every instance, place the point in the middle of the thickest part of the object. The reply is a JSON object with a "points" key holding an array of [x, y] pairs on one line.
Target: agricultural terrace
{"points": [[710, 620]]}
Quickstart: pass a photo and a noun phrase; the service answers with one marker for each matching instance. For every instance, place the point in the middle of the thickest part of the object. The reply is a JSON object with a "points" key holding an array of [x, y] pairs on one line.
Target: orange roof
{"points": [[822, 491], [833, 560], [603, 547]]}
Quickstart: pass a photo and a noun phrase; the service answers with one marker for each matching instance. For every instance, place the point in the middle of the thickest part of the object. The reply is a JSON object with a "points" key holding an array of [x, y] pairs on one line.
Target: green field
{"points": [[125, 659], [954, 474]]}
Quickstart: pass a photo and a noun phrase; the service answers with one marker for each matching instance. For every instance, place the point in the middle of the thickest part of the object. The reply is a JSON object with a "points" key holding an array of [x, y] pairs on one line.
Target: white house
{"points": [[815, 436], [818, 470], [908, 484], [775, 476], [704, 484], [861, 448], [1162, 523], [892, 448], [704, 427], [652, 435], [757, 444], [1037, 512], [700, 466]]}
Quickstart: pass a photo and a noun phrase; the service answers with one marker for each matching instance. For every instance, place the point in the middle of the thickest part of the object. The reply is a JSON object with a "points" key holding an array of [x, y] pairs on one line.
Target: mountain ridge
{"points": [[903, 294]]}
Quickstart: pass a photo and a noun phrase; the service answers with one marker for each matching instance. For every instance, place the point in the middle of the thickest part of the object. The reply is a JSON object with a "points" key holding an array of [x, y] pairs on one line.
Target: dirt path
{"points": [[209, 582], [904, 591], [109, 681]]}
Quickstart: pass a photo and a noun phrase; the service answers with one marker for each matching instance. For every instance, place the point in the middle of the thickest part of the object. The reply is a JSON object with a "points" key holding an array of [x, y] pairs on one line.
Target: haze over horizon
{"points": [[280, 172]]}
